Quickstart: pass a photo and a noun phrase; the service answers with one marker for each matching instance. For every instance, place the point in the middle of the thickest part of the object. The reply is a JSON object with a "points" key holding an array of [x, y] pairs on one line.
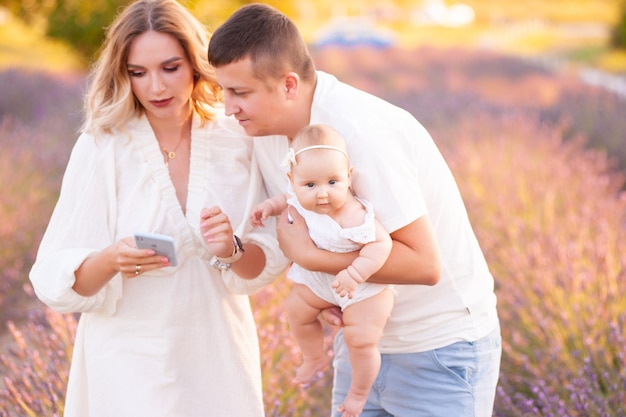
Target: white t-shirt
{"points": [[398, 168]]}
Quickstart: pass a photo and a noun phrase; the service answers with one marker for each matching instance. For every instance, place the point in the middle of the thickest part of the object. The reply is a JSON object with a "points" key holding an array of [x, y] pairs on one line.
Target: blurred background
{"points": [[583, 31], [527, 101]]}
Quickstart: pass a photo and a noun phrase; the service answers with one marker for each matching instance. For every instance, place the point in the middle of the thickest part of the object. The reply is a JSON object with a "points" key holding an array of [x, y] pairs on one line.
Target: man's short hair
{"points": [[266, 36]]}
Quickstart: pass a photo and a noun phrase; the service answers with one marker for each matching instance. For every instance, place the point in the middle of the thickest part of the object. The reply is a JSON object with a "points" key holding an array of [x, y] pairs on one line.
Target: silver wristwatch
{"points": [[225, 263]]}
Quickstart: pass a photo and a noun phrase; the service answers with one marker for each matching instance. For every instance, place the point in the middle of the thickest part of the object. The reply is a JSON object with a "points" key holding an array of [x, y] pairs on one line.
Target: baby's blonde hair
{"points": [[110, 102], [313, 135]]}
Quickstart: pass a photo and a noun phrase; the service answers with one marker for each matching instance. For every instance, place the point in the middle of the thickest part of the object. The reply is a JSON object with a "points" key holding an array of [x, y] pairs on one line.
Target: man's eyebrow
{"points": [[167, 61]]}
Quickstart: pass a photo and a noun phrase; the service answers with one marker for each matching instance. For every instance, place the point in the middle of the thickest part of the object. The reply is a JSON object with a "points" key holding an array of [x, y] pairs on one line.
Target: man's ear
{"points": [[292, 84]]}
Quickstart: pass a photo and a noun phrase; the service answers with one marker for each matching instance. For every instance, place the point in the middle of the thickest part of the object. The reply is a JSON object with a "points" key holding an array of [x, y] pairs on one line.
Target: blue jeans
{"points": [[457, 380]]}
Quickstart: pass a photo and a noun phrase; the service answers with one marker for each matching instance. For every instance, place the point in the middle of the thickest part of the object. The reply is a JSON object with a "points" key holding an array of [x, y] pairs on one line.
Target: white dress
{"points": [[175, 342], [329, 235]]}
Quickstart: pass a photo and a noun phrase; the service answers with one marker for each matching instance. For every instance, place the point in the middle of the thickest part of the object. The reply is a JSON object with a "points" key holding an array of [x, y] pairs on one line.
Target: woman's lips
{"points": [[161, 103]]}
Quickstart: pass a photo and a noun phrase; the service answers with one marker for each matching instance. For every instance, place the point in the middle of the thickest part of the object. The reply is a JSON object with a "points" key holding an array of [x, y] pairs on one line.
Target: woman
{"points": [[156, 155]]}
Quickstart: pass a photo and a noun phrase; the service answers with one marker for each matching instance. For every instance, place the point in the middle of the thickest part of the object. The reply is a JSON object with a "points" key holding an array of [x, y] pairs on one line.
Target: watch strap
{"points": [[226, 263]]}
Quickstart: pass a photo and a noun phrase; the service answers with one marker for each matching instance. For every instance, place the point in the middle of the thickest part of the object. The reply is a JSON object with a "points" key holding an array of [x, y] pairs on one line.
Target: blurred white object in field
{"points": [[436, 12]]}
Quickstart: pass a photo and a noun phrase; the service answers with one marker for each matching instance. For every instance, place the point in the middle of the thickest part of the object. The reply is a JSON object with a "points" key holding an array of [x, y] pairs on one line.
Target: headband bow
{"points": [[290, 158]]}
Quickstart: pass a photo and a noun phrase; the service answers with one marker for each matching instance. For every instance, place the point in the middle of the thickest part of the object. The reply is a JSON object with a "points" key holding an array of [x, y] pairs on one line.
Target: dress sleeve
{"points": [[81, 225], [265, 238]]}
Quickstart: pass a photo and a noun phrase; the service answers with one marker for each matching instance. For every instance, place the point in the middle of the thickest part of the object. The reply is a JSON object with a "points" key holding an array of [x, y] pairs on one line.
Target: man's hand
{"points": [[293, 236], [332, 315]]}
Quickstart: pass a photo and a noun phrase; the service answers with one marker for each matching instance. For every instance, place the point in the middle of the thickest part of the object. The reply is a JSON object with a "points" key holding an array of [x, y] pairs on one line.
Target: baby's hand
{"points": [[260, 213], [256, 217], [344, 284]]}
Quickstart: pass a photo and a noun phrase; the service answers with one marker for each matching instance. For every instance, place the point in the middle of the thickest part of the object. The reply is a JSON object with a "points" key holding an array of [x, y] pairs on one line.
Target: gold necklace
{"points": [[171, 154]]}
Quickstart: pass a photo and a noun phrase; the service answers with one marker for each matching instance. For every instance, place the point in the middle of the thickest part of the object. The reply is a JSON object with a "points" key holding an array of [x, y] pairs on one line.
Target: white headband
{"points": [[290, 159]]}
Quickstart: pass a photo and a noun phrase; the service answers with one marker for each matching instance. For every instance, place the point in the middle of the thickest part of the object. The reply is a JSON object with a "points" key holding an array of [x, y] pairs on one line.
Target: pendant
{"points": [[171, 154]]}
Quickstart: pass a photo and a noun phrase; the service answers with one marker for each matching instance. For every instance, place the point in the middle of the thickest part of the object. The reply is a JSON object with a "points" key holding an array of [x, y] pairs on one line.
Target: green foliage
{"points": [[24, 47], [78, 23], [82, 23], [618, 34]]}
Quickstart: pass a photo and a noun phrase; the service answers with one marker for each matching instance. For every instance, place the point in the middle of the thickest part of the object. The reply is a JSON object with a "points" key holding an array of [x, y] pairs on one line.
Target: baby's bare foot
{"points": [[309, 369], [352, 405]]}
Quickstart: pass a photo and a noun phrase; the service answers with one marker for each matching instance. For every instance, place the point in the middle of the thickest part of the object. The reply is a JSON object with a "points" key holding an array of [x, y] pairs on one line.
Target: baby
{"points": [[338, 221]]}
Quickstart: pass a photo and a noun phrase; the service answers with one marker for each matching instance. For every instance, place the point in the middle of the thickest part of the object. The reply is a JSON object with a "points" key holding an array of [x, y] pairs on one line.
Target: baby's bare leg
{"points": [[363, 328], [303, 308]]}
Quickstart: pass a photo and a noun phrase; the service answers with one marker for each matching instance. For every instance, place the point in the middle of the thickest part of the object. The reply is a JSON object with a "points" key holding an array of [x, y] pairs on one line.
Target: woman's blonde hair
{"points": [[110, 102]]}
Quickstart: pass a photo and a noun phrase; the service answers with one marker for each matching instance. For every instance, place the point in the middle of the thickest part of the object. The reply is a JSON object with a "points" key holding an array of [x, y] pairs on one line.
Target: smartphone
{"points": [[162, 244]]}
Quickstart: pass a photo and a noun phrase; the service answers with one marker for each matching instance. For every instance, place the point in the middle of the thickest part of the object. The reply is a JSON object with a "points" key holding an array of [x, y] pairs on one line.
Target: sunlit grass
{"points": [[412, 36], [24, 46], [613, 60], [603, 11], [588, 53]]}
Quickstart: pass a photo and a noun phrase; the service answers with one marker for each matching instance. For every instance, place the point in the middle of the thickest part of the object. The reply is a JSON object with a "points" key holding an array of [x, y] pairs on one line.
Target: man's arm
{"points": [[414, 257]]}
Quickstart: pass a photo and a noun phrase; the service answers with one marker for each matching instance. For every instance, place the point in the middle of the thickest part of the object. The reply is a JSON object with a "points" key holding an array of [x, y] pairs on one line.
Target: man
{"points": [[441, 347]]}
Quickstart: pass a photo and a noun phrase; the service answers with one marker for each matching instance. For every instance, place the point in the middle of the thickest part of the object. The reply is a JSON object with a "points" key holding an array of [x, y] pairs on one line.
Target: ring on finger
{"points": [[138, 270]]}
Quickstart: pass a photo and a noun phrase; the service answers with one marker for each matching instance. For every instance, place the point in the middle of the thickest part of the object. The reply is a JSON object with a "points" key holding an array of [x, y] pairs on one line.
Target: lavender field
{"points": [[539, 157]]}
